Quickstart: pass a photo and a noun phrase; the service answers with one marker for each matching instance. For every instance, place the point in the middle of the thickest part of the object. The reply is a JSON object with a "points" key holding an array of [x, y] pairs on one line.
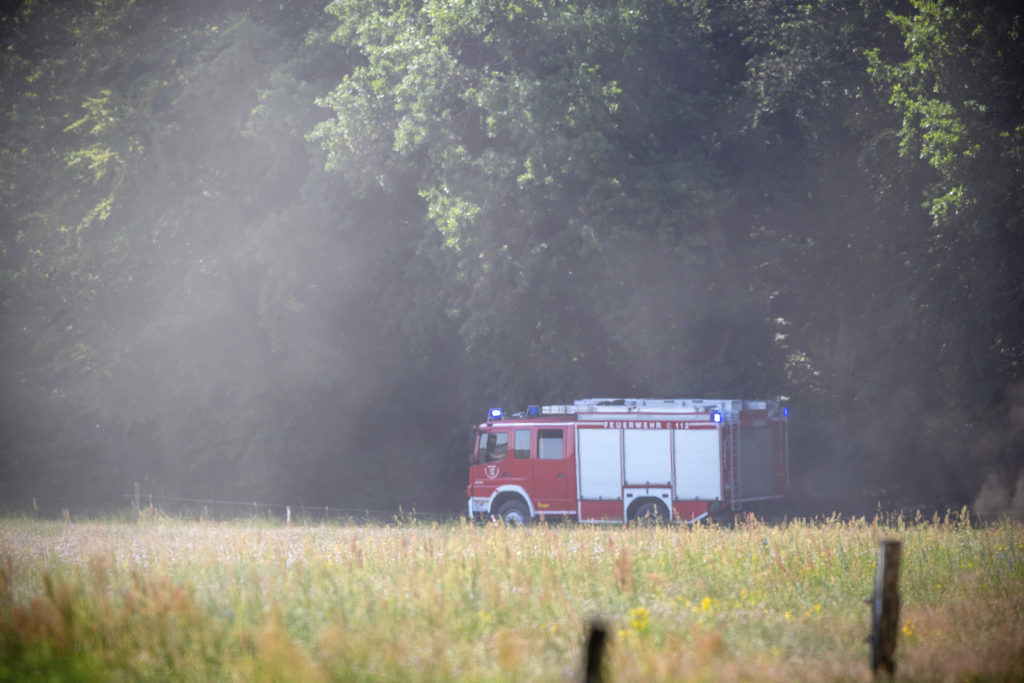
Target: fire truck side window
{"points": [[549, 444], [521, 447], [493, 446]]}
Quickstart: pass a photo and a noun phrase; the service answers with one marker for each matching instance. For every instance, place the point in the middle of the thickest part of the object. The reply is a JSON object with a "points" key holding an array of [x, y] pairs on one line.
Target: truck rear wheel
{"points": [[514, 513], [649, 512]]}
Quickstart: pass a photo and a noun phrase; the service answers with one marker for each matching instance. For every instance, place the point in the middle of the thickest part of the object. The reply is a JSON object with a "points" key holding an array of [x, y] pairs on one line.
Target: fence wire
{"points": [[124, 505]]}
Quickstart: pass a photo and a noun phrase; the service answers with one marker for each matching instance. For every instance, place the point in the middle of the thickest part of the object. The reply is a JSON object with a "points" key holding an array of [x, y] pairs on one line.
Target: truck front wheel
{"points": [[514, 513]]}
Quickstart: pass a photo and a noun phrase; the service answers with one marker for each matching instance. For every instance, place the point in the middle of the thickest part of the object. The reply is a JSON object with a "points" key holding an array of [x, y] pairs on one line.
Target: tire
{"points": [[648, 512], [514, 513]]}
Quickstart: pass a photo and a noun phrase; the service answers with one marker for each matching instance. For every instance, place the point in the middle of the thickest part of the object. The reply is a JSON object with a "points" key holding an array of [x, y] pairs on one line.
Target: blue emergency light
{"points": [[716, 416], [495, 414], [785, 411], [533, 411]]}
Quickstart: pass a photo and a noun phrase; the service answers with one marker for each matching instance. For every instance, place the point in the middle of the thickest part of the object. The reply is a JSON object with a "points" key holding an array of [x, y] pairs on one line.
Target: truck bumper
{"points": [[479, 506]]}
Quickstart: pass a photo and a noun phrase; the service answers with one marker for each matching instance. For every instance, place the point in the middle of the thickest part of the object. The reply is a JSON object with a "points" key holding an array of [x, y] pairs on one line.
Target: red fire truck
{"points": [[618, 460]]}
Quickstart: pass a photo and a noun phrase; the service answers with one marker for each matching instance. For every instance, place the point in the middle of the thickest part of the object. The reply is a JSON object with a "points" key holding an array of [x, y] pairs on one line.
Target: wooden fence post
{"points": [[594, 654], [885, 607], [138, 502]]}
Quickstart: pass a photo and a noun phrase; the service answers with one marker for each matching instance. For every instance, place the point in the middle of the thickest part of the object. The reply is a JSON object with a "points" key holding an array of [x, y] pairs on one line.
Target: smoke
{"points": [[999, 494]]}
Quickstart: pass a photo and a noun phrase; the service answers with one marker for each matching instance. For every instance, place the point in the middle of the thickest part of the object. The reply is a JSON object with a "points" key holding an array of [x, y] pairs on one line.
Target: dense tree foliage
{"points": [[281, 251], [567, 156]]}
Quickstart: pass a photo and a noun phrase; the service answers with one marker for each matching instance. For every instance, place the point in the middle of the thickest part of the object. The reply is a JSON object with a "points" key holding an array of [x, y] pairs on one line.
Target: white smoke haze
{"points": [[218, 315], [1000, 497], [1000, 493]]}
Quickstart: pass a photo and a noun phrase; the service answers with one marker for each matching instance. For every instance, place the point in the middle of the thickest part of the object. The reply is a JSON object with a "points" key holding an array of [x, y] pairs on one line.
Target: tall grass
{"points": [[171, 600]]}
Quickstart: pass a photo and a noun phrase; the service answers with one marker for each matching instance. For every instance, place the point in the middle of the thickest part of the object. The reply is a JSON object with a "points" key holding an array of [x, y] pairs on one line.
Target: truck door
{"points": [[554, 472], [502, 457]]}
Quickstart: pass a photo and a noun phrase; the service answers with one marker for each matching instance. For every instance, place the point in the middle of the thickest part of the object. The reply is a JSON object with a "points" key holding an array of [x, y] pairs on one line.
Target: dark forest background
{"points": [[256, 250]]}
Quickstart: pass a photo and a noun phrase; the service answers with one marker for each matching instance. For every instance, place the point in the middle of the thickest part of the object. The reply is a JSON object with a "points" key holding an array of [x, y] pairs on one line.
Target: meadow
{"points": [[168, 599]]}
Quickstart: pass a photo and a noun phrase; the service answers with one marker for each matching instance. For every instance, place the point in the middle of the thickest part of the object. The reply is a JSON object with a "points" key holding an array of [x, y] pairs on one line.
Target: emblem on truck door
{"points": [[491, 471]]}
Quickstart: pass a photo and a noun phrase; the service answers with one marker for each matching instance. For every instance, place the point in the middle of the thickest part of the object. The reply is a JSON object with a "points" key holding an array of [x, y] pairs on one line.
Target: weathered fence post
{"points": [[287, 514], [138, 502], [885, 607], [596, 636]]}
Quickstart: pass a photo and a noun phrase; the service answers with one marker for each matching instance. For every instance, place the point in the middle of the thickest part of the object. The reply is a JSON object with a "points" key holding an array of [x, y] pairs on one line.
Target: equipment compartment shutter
{"points": [[647, 456], [698, 465], [758, 478], [600, 465]]}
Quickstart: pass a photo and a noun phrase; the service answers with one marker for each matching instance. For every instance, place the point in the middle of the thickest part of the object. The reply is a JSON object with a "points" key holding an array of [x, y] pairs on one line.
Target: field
{"points": [[166, 599]]}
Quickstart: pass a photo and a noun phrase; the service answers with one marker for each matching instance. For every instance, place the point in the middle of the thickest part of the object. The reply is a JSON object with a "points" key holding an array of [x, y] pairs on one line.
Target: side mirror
{"points": [[472, 446]]}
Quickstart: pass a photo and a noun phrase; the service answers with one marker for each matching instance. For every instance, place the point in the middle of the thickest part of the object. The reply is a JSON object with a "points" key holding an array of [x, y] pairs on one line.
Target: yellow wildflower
{"points": [[638, 616]]}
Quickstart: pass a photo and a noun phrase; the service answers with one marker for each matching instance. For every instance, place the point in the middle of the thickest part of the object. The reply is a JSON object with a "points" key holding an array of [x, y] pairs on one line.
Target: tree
{"points": [[959, 92], [522, 202], [804, 153], [563, 151]]}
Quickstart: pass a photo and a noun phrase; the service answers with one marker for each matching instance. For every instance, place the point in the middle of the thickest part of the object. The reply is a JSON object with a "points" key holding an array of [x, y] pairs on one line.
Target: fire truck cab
{"points": [[620, 460]]}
